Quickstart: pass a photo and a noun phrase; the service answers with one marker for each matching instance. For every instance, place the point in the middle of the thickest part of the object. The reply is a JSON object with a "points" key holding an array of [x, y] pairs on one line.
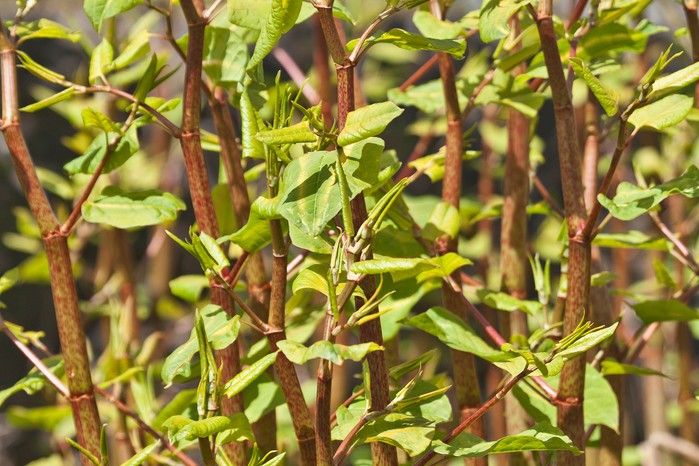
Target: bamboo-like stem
{"points": [[321, 64], [601, 305], [324, 451], [513, 240], [463, 364], [570, 408], [300, 414], [65, 298], [258, 291], [382, 454], [228, 358]]}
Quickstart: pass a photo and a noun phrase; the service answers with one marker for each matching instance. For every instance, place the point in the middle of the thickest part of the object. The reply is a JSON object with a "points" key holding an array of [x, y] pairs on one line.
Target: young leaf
{"points": [[65, 94], [281, 18], [336, 353], [139, 458], [119, 209], [248, 375], [673, 82], [204, 428], [367, 121], [409, 41], [298, 133], [662, 113], [101, 61], [607, 97], [45, 29], [38, 70]]}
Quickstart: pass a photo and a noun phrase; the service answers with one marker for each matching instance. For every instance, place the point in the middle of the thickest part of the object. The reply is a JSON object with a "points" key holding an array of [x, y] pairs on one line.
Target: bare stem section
{"points": [[570, 408], [190, 141], [65, 297]]}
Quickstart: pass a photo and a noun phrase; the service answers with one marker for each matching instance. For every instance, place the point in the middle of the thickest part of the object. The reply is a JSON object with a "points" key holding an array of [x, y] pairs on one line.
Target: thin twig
{"points": [[546, 195], [296, 74]]}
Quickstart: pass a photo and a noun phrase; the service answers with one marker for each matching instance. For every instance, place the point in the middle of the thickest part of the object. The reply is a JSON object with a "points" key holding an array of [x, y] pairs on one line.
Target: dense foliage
{"points": [[283, 266]]}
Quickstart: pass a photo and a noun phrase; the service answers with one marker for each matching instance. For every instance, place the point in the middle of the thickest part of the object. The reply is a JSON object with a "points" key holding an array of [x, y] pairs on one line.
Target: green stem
{"points": [[65, 298], [570, 408]]}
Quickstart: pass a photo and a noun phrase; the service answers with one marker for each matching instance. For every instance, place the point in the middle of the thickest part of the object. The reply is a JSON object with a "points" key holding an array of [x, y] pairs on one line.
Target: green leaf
{"points": [[225, 55], [607, 97], [310, 194], [446, 265], [45, 29], [88, 162], [336, 353], [630, 201], [602, 278], [600, 404], [179, 403], [38, 70], [281, 18], [428, 97], [221, 331], [455, 333], [99, 10], [136, 49], [673, 82], [540, 437], [239, 430], [101, 61], [143, 455], [399, 268], [205, 427], [92, 117], [411, 434], [130, 210], [65, 94], [409, 41], [367, 121], [45, 417], [189, 287], [254, 235], [610, 367], [662, 113], [633, 239], [664, 310], [34, 381], [444, 221], [505, 302], [362, 164], [262, 397], [298, 133], [429, 26], [248, 375], [586, 342], [494, 15]]}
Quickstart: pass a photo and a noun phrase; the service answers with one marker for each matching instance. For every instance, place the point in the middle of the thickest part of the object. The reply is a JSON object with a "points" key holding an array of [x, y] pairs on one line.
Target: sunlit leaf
{"points": [[130, 210]]}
